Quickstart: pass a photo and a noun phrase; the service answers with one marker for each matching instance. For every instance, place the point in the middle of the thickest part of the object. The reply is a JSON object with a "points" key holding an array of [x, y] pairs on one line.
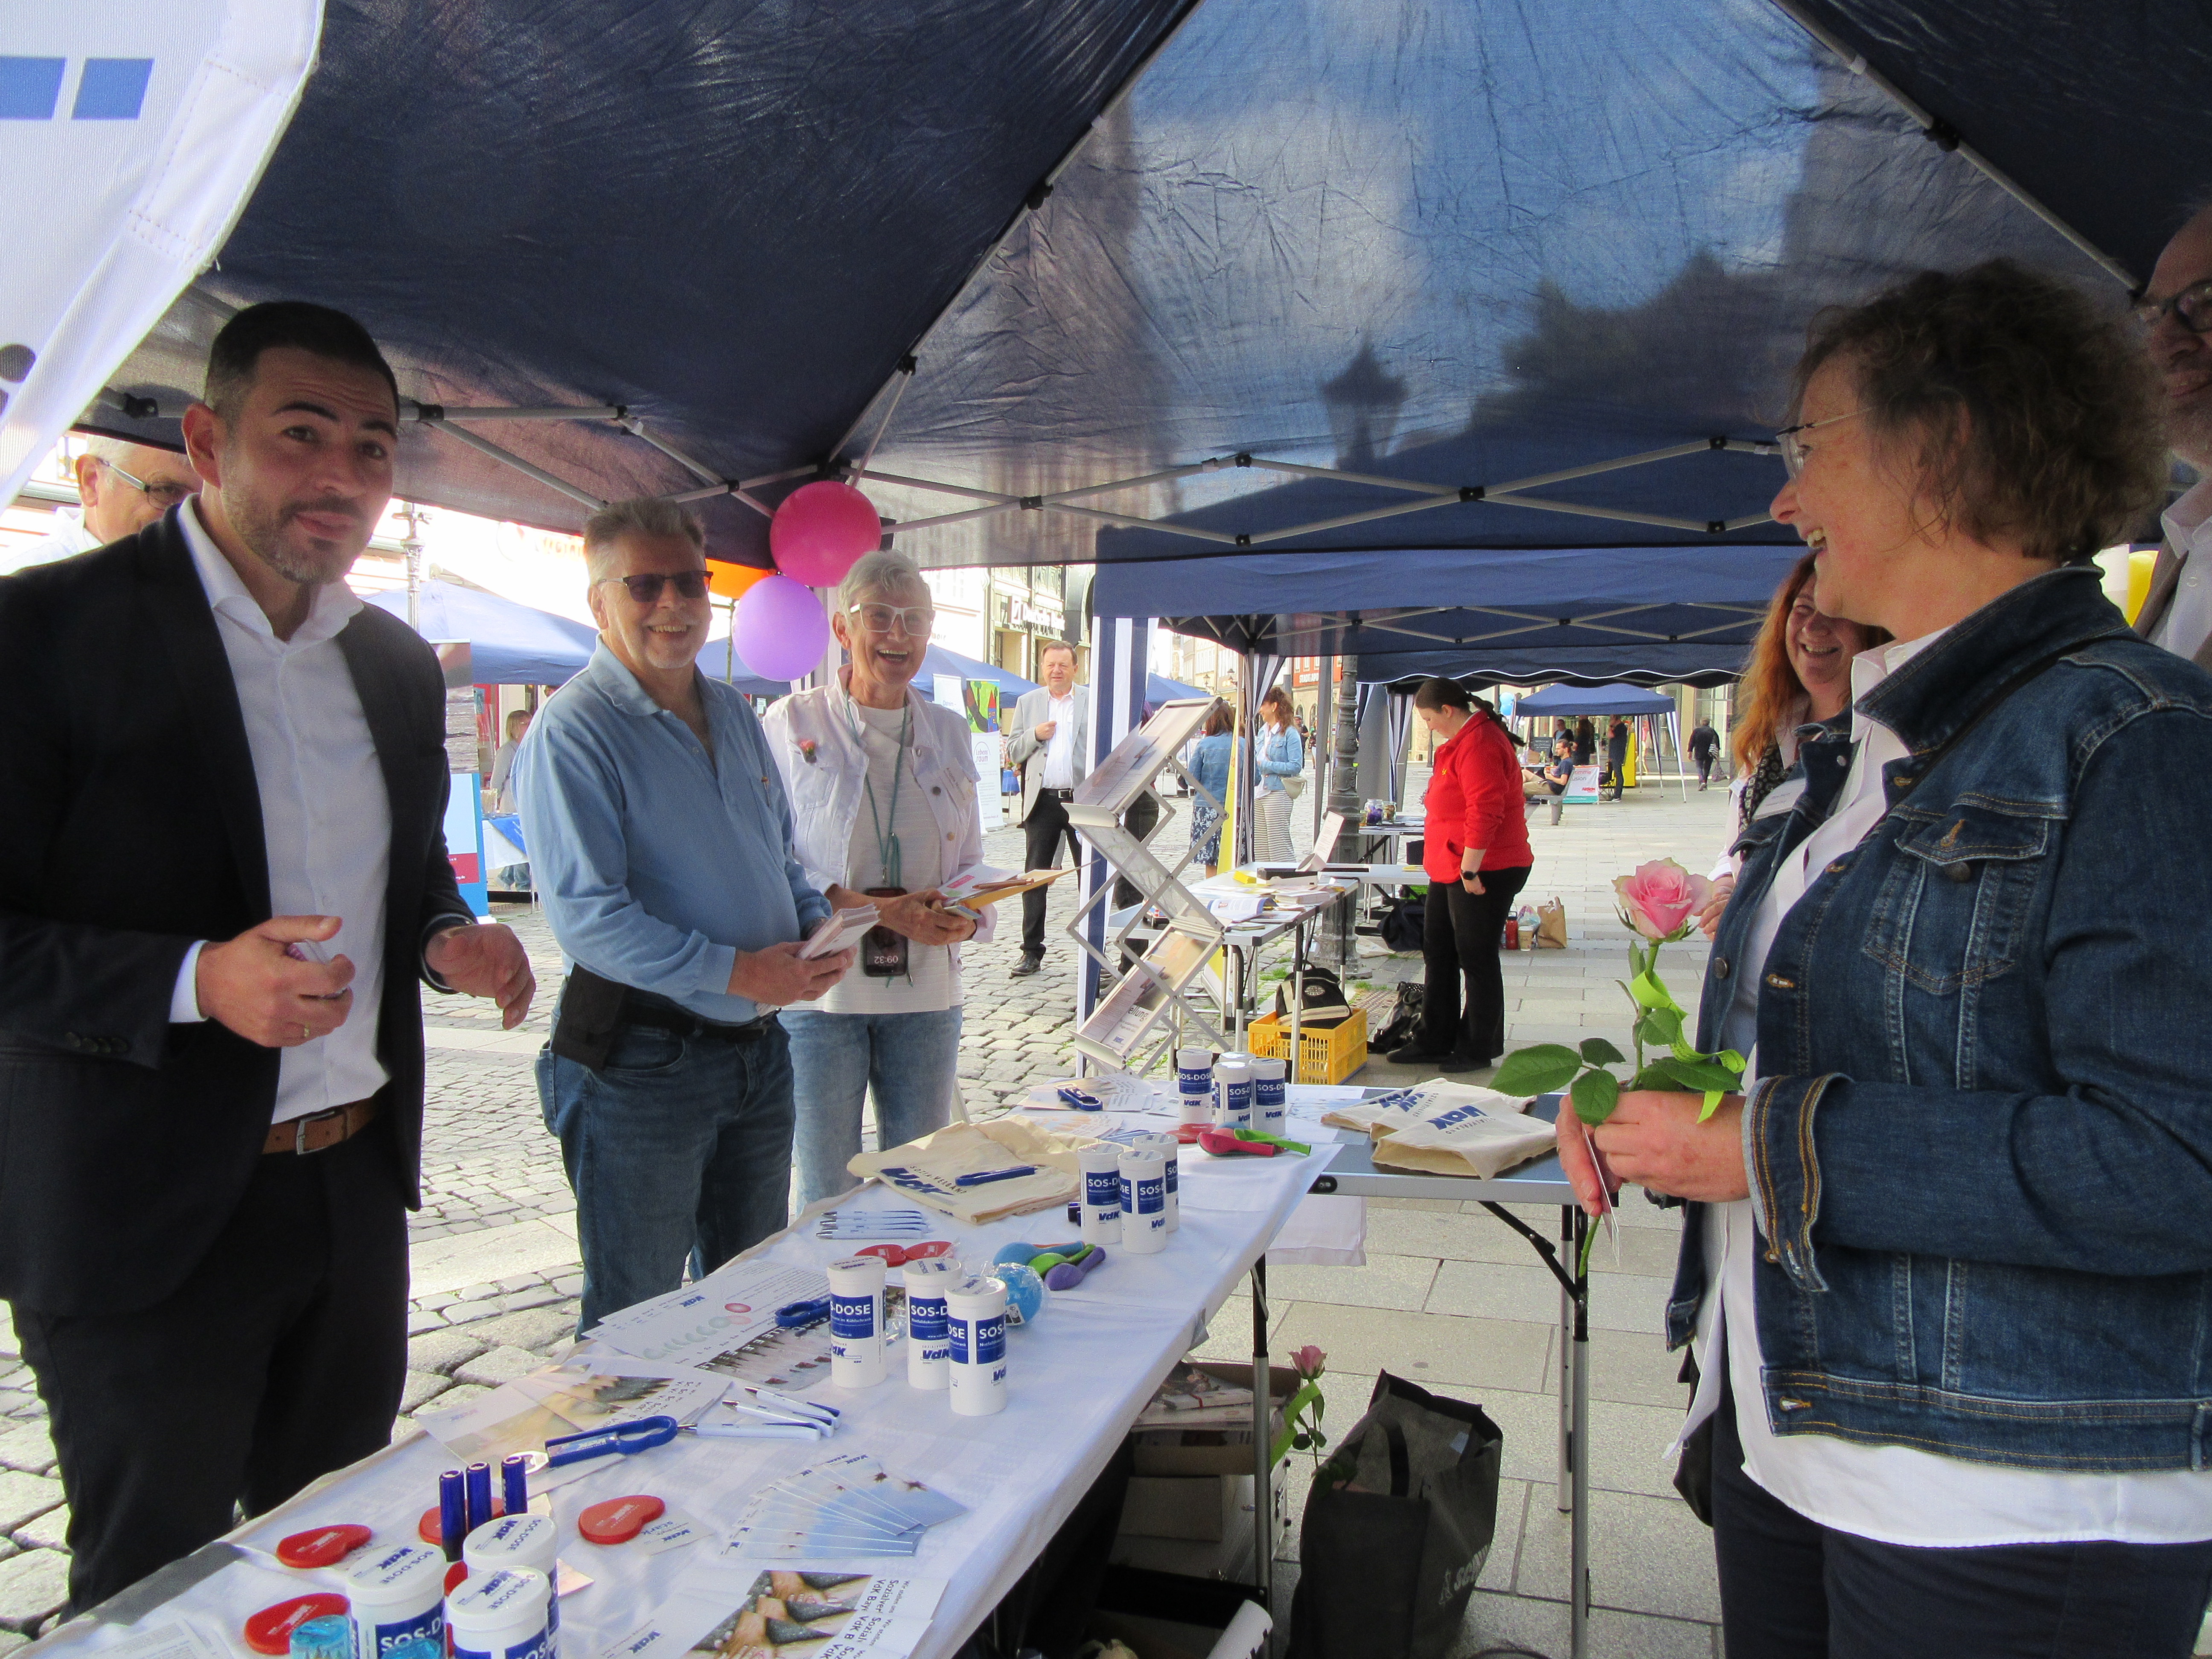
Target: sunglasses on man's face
{"points": [[646, 589]]}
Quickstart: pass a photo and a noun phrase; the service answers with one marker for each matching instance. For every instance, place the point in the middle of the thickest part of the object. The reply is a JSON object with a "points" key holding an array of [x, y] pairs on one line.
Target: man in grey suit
{"points": [[2176, 312], [1051, 741]]}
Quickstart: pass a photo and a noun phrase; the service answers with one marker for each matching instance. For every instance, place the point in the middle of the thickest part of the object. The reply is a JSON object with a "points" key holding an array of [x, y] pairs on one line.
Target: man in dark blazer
{"points": [[2176, 314], [221, 823]]}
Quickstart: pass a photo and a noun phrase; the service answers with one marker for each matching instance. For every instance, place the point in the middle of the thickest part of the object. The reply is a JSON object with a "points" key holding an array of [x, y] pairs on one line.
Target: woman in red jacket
{"points": [[1475, 850]]}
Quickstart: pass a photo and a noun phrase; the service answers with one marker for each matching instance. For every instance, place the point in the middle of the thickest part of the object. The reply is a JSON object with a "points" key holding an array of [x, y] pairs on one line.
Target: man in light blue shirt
{"points": [[661, 841]]}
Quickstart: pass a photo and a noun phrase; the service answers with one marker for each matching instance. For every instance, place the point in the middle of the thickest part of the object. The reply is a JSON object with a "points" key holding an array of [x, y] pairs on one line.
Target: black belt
{"points": [[682, 1023], [1059, 795]]}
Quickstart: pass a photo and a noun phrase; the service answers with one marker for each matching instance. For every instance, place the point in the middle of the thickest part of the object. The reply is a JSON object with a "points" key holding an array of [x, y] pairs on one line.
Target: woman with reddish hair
{"points": [[1475, 852]]}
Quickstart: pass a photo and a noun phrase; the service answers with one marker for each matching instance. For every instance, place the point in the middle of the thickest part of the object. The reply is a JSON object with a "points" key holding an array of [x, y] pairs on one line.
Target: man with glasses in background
{"points": [[124, 487], [1050, 742], [660, 838], [2175, 314]]}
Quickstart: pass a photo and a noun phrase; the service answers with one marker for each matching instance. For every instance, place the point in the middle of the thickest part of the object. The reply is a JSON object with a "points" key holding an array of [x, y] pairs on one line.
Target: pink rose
{"points": [[1660, 897], [1308, 1361]]}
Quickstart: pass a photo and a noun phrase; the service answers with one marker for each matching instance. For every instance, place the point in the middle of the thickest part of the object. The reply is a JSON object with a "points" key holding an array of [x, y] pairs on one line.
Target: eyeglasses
{"points": [[1793, 451], [646, 589], [916, 619], [2192, 307], [163, 495]]}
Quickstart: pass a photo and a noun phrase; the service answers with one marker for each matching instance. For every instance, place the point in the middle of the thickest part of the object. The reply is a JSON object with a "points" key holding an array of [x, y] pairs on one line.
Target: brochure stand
{"points": [[1151, 1008]]}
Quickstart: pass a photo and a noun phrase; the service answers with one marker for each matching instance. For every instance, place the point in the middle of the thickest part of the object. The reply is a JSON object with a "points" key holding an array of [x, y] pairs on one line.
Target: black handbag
{"points": [[1403, 923], [1397, 1528], [1322, 1006]]}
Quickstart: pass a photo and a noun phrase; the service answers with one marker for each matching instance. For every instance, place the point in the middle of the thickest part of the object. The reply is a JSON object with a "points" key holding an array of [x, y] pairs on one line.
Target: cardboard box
{"points": [[1215, 1449], [1197, 1506]]}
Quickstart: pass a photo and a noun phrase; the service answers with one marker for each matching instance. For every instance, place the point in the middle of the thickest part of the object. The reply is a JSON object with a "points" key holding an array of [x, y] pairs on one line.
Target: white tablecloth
{"points": [[1078, 1375]]}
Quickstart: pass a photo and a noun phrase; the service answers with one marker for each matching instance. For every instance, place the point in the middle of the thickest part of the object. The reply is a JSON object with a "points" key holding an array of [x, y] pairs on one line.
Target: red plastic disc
{"points": [[270, 1630], [619, 1519], [455, 1576], [431, 1528], [323, 1547]]}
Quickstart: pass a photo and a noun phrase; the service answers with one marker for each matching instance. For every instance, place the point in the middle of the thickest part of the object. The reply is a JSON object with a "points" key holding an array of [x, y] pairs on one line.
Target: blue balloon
{"points": [[1017, 1253], [1024, 1291]]}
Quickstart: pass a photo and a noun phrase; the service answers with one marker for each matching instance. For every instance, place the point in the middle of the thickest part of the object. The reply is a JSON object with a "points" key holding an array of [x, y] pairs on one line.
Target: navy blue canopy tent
{"points": [[509, 643], [1576, 701]]}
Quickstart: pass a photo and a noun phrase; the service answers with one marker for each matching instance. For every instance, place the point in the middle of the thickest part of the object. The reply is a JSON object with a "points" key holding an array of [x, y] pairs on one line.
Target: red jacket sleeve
{"points": [[1489, 782]]}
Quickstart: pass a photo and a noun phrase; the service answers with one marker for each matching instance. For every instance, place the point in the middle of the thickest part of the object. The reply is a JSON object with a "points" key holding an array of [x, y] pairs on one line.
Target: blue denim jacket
{"points": [[1981, 1147]]}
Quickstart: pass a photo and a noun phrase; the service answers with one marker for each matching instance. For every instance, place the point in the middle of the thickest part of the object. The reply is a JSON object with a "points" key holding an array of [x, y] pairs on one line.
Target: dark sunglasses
{"points": [[646, 589]]}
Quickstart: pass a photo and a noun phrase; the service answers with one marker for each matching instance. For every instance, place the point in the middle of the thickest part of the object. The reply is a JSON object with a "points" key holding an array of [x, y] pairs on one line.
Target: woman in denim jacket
{"points": [[1947, 1263], [1277, 753]]}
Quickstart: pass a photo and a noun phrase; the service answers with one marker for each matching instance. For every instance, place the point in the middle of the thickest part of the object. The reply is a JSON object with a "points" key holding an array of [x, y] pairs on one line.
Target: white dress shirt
{"points": [[68, 538], [325, 819], [2188, 619], [1892, 1494], [1059, 752]]}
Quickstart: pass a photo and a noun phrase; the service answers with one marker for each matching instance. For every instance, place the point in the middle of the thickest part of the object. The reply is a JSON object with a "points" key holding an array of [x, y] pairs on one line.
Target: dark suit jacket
{"points": [[131, 826], [2165, 577]]}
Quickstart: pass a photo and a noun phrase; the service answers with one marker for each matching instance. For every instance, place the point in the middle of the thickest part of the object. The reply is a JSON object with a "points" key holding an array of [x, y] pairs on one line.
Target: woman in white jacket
{"points": [[883, 797]]}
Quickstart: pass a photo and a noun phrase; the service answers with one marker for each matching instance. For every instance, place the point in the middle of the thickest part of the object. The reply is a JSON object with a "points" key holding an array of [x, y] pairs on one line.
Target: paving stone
{"points": [[500, 1365], [421, 1320], [24, 1497], [532, 1327], [32, 1585], [442, 1349], [475, 1293], [50, 1531], [10, 1640], [460, 1395], [30, 1449], [421, 1387]]}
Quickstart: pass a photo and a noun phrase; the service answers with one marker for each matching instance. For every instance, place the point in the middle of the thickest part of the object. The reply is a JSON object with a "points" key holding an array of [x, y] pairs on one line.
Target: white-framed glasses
{"points": [[916, 620], [1793, 450]]}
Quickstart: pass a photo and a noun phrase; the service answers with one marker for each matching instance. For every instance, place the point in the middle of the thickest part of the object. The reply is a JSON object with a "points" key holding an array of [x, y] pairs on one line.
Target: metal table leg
{"points": [[1263, 1491], [1565, 1260]]}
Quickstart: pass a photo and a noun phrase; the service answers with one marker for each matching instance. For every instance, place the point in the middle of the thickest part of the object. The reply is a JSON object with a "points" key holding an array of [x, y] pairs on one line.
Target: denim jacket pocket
{"points": [[1953, 908]]}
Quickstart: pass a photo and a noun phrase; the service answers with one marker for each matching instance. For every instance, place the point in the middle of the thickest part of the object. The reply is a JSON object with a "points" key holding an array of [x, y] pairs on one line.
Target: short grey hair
{"points": [[641, 515], [110, 450], [881, 575], [1045, 650]]}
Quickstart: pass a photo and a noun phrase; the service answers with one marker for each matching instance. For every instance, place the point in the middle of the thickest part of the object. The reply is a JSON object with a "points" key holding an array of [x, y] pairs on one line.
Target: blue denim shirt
{"points": [[1981, 1147], [657, 869], [1276, 756], [1209, 765]]}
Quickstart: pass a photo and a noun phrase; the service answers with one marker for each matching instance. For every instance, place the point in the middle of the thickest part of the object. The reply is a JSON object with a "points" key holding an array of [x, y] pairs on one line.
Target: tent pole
{"points": [[1324, 711], [413, 548], [1344, 797]]}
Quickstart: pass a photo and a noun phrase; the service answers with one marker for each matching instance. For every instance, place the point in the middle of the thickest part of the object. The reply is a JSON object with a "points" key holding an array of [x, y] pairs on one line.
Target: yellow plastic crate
{"points": [[1328, 1056]]}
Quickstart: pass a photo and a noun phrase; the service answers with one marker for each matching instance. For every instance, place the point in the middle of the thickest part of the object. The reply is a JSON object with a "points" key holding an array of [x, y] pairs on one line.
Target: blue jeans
{"points": [[911, 1060], [680, 1150]]}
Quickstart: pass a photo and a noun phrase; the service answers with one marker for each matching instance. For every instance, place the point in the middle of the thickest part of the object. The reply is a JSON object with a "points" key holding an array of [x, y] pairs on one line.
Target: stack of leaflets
{"points": [[729, 1610], [842, 1508], [842, 932], [1191, 1398]]}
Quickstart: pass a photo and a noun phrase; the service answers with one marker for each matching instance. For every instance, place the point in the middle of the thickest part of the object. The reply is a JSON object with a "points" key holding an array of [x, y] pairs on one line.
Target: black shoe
{"points": [[1028, 964], [1459, 1063], [1415, 1054]]}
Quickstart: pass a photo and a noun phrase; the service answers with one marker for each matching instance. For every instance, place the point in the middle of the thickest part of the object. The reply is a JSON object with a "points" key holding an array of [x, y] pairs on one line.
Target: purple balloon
{"points": [[779, 629]]}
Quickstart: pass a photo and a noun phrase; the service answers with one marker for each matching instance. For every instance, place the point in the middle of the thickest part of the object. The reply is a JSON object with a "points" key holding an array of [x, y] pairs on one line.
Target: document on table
{"points": [[521, 1416], [724, 1310], [730, 1609]]}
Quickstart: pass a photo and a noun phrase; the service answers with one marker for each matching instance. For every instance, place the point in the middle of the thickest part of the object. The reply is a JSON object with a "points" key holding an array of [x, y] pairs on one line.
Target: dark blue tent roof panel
{"points": [[1572, 701], [1465, 242], [1515, 616]]}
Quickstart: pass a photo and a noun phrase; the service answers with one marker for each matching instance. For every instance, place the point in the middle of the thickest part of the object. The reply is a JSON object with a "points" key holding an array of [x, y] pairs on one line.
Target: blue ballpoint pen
{"points": [[788, 1402], [987, 1176]]}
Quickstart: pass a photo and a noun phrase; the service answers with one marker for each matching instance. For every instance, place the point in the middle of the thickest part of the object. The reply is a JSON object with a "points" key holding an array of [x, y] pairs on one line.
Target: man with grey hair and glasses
{"points": [[2176, 315], [123, 487], [660, 838]]}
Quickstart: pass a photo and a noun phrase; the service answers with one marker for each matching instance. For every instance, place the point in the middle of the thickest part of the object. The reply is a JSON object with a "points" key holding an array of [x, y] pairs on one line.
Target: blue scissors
{"points": [[798, 1315], [1082, 1100], [983, 1178], [627, 1438]]}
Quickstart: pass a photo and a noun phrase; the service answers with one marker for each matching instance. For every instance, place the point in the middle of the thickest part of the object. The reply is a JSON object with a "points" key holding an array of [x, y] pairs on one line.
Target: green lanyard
{"points": [[887, 846]]}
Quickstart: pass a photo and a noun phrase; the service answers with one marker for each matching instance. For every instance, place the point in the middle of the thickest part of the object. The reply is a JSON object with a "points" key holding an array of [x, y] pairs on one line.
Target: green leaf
{"points": [[1648, 992], [1712, 1104], [1652, 1078], [1301, 1442], [1536, 1071], [1596, 1094], [1659, 1027], [1598, 1052], [1698, 1075], [1733, 1060]]}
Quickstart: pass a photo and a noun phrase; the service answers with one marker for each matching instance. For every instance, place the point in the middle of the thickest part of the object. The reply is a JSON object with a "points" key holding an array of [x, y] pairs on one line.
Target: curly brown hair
{"points": [[2032, 417]]}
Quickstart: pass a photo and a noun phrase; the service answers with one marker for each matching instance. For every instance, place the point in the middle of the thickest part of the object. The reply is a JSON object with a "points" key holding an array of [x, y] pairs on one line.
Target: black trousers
{"points": [[1143, 812], [280, 1358], [1791, 1589], [1459, 944], [1045, 827]]}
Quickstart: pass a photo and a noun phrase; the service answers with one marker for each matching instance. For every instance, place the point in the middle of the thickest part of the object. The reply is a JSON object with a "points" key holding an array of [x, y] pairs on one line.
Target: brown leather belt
{"points": [[319, 1131]]}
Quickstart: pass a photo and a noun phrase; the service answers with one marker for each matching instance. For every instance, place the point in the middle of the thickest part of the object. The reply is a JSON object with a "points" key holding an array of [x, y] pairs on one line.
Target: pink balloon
{"points": [[779, 629], [821, 529]]}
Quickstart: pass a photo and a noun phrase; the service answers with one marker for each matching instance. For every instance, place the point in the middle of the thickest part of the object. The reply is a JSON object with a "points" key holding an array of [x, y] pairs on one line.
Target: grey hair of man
{"points": [[891, 578], [641, 515]]}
